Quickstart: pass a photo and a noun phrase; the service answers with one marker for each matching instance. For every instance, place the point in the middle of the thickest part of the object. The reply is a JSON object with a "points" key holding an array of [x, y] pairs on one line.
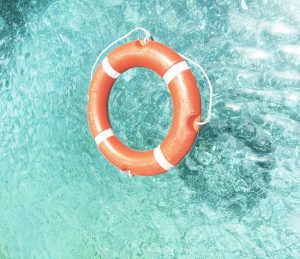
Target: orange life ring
{"points": [[186, 111]]}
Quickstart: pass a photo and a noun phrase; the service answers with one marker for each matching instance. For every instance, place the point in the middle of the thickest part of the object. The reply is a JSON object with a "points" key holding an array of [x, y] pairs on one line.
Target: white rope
{"points": [[209, 113], [147, 37]]}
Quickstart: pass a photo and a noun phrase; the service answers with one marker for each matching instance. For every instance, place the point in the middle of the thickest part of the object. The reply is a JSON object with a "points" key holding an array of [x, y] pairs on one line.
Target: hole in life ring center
{"points": [[140, 108]]}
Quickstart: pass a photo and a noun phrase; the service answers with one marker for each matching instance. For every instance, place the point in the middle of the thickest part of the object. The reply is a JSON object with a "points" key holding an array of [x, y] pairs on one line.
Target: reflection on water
{"points": [[292, 49], [252, 53]]}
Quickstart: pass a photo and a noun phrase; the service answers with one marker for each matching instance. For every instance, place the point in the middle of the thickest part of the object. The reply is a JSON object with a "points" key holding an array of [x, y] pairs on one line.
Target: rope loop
{"points": [[209, 113], [146, 39]]}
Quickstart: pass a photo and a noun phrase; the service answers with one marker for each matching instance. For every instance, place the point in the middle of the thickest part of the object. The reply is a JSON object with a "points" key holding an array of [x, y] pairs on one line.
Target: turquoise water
{"points": [[236, 195]]}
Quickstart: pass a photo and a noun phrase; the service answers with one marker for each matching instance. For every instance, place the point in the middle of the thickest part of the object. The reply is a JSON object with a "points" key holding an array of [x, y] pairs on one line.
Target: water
{"points": [[236, 195]]}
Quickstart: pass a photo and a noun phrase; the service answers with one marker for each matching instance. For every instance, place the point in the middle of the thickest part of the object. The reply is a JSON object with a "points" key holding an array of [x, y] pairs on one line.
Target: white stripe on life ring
{"points": [[174, 71], [161, 160], [103, 135], [109, 69]]}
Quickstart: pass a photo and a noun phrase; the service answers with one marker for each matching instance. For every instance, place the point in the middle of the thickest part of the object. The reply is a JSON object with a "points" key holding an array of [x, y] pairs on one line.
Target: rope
{"points": [[209, 113], [147, 37]]}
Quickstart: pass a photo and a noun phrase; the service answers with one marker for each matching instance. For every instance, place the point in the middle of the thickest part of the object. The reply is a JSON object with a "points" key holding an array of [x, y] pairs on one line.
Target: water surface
{"points": [[236, 194]]}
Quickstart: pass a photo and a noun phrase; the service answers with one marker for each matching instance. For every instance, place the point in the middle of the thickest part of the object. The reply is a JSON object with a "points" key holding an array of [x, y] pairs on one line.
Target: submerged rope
{"points": [[147, 37]]}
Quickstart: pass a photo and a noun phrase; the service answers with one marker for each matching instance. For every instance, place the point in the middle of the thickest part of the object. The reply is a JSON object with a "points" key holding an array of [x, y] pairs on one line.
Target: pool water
{"points": [[235, 195]]}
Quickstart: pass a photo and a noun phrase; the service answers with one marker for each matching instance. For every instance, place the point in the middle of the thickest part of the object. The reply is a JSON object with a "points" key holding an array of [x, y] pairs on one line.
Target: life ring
{"points": [[186, 107]]}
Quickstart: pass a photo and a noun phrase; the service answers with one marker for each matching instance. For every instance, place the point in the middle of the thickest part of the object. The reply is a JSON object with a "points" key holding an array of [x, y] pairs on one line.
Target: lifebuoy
{"points": [[186, 107]]}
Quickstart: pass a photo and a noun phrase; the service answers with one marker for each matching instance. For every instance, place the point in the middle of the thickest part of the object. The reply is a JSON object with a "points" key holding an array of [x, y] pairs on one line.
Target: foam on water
{"points": [[236, 194]]}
